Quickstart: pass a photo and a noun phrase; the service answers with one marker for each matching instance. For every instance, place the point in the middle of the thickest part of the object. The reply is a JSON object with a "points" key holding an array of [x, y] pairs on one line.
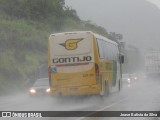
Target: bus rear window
{"points": [[71, 45]]}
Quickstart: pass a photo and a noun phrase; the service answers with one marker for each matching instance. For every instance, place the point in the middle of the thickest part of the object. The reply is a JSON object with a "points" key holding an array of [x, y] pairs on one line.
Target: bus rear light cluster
{"points": [[49, 71]]}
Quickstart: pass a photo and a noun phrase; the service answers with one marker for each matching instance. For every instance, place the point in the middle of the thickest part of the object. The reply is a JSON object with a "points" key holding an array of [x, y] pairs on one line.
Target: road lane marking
{"points": [[112, 104], [101, 109]]}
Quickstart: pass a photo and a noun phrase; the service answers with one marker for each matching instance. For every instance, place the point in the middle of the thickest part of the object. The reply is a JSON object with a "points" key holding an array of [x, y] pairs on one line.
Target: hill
{"points": [[24, 29]]}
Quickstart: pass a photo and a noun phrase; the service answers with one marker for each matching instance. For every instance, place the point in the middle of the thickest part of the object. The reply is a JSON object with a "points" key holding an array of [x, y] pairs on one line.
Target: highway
{"points": [[142, 95]]}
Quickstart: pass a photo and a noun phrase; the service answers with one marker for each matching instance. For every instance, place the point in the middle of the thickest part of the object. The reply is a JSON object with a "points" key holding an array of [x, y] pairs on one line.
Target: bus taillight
{"points": [[97, 73], [49, 71], [97, 70]]}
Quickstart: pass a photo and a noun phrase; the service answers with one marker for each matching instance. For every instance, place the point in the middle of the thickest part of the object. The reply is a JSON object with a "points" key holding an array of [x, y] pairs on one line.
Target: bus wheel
{"points": [[106, 89]]}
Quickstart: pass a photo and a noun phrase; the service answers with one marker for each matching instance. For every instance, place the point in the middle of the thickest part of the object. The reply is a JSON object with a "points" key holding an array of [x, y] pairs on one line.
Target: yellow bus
{"points": [[83, 63]]}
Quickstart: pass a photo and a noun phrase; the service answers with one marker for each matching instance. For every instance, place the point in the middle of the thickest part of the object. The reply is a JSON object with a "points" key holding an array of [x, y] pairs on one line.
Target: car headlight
{"points": [[48, 90], [129, 80], [32, 90]]}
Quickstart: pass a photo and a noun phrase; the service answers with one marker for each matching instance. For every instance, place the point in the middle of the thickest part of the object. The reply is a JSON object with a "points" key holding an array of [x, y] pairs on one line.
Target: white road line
{"points": [[111, 105], [106, 107]]}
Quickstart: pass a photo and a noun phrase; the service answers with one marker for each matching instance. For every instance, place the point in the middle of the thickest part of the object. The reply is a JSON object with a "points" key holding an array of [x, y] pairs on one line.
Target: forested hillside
{"points": [[24, 29]]}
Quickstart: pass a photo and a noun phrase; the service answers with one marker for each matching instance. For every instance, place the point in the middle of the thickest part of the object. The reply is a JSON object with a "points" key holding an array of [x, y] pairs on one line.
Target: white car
{"points": [[134, 76], [40, 87], [126, 78]]}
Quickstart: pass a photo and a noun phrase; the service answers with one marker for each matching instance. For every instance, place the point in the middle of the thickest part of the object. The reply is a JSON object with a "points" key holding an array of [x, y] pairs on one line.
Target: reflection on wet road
{"points": [[142, 95]]}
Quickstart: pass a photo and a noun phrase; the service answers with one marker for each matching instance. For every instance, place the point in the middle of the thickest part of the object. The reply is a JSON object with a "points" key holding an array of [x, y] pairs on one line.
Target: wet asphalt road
{"points": [[142, 95]]}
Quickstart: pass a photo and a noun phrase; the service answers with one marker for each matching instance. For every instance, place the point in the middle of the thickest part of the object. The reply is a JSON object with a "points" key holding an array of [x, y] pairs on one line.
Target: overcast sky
{"points": [[155, 2], [137, 20]]}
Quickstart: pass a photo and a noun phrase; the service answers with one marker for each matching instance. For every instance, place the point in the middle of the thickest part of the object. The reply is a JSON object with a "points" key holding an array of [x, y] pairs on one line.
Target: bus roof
{"points": [[90, 32], [105, 39], [74, 32]]}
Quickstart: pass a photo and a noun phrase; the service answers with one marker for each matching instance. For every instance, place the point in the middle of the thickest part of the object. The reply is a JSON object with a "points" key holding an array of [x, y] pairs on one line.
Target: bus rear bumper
{"points": [[76, 90]]}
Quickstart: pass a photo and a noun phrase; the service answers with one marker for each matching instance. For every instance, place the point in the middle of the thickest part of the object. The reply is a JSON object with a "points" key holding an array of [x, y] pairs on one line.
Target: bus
{"points": [[83, 63]]}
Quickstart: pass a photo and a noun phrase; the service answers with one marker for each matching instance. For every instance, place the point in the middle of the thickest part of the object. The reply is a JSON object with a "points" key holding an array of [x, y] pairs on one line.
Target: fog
{"points": [[137, 20]]}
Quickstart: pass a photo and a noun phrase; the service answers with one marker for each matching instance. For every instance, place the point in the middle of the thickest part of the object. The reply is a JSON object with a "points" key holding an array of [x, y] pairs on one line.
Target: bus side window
{"points": [[114, 53], [105, 50], [110, 51], [100, 48]]}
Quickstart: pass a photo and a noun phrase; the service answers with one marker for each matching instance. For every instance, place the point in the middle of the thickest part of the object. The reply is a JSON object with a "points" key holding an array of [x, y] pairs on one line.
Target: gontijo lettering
{"points": [[72, 59]]}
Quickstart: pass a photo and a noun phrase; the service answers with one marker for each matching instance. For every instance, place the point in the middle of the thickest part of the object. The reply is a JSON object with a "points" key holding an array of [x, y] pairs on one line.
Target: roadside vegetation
{"points": [[24, 29]]}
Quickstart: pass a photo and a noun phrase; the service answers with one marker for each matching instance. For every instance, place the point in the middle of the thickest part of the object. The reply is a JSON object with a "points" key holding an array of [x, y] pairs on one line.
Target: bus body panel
{"points": [[109, 63], [72, 64]]}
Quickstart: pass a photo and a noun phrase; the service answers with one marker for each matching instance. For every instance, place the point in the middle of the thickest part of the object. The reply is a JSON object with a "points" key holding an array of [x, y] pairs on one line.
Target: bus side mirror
{"points": [[122, 59]]}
